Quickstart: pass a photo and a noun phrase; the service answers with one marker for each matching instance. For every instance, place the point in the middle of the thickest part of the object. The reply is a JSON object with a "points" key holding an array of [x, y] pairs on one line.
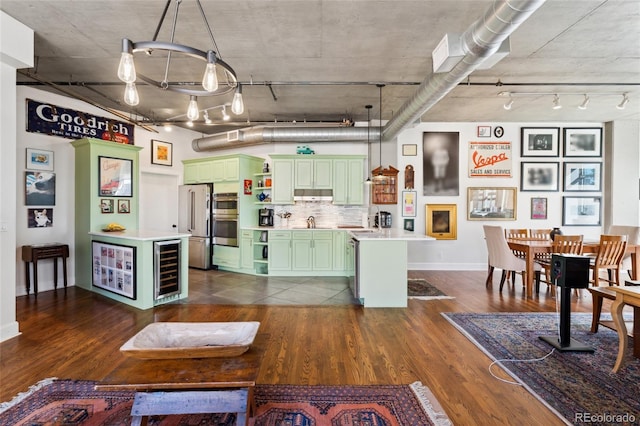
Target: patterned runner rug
{"points": [[68, 402], [419, 288], [578, 386]]}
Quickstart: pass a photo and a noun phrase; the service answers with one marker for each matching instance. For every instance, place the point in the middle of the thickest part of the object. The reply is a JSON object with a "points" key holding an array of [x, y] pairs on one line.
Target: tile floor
{"points": [[226, 288]]}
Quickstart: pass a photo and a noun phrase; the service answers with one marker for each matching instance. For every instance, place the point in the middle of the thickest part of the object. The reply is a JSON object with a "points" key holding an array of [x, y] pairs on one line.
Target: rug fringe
{"points": [[425, 396], [4, 406]]}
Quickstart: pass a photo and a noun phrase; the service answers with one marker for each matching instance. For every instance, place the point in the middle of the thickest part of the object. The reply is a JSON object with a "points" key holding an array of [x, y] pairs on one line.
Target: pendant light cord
{"points": [[380, 86]]}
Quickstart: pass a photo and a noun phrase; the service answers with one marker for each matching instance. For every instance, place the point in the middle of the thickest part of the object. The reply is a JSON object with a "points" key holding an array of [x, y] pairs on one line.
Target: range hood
{"points": [[312, 195]]}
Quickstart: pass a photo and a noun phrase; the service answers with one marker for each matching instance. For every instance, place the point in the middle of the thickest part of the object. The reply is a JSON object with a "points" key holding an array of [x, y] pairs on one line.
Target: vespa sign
{"points": [[67, 123], [489, 159]]}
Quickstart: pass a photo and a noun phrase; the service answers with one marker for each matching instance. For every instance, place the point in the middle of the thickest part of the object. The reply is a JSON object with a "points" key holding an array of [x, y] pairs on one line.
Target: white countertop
{"points": [[359, 233], [141, 234]]}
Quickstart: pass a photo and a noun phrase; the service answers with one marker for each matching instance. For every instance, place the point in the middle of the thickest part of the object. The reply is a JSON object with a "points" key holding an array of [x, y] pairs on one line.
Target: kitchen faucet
{"points": [[379, 219], [311, 222]]}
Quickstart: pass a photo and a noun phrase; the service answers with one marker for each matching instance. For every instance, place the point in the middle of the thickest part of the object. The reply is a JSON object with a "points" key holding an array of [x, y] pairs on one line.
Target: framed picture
{"points": [[40, 218], [440, 163], [484, 131], [39, 159], [442, 221], [538, 208], [106, 205], [408, 225], [539, 176], [124, 206], [161, 153], [409, 203], [115, 177], [40, 188], [491, 203], [583, 177], [583, 142], [581, 211], [409, 150], [540, 142], [114, 268]]}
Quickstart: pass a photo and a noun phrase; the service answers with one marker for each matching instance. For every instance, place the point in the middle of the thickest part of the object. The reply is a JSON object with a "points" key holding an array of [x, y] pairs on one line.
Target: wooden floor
{"points": [[77, 335]]}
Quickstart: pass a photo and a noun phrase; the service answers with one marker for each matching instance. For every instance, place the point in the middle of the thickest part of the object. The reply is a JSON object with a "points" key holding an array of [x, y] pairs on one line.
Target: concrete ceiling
{"points": [[320, 60]]}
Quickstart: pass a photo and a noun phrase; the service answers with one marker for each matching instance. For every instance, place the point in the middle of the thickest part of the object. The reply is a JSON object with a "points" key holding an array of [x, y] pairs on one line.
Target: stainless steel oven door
{"points": [[225, 230], [225, 204]]}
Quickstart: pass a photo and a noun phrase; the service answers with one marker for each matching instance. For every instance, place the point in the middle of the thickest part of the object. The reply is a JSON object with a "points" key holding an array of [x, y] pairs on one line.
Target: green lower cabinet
{"points": [[322, 251], [312, 251], [340, 250], [226, 257], [279, 251], [246, 249]]}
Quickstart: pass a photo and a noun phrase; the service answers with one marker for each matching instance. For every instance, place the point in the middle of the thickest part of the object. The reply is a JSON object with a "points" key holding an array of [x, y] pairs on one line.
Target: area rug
{"points": [[419, 288], [69, 402], [578, 386]]}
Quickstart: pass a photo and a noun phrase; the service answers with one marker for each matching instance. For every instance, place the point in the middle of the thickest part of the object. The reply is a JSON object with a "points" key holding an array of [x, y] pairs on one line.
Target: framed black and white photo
{"points": [[491, 203], [583, 142], [581, 211], [583, 177], [539, 176], [484, 131], [540, 142]]}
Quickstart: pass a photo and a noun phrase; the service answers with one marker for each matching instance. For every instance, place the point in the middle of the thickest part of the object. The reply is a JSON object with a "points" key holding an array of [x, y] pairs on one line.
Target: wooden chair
{"points": [[540, 234], [516, 234], [562, 244], [633, 237], [501, 256], [609, 258]]}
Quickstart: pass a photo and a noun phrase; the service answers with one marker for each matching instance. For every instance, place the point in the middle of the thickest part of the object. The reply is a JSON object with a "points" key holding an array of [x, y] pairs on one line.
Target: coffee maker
{"points": [[265, 217]]}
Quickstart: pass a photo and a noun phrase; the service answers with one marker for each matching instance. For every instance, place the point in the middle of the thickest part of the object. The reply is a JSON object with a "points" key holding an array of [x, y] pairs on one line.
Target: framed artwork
{"points": [[583, 177], [409, 150], [115, 177], [539, 176], [124, 206], [498, 131], [540, 142], [581, 211], [39, 159], [106, 206], [440, 163], [538, 208], [490, 159], [409, 203], [113, 268], [583, 142], [491, 203], [442, 221], [40, 188], [161, 153], [484, 131], [408, 225], [40, 218]]}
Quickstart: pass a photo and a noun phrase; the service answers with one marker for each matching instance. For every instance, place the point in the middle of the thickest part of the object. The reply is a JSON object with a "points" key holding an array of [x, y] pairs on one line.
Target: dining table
{"points": [[625, 296], [535, 247]]}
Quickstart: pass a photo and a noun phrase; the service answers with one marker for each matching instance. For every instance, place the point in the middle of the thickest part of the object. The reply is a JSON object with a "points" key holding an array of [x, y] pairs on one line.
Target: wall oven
{"points": [[225, 230], [225, 204]]}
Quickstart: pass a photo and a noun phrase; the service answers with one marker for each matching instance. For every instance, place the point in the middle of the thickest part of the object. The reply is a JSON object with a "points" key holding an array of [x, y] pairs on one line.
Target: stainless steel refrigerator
{"points": [[194, 217]]}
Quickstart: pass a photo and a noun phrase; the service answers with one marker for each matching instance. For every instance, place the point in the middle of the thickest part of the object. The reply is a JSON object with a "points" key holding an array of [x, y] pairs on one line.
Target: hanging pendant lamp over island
{"points": [[218, 77]]}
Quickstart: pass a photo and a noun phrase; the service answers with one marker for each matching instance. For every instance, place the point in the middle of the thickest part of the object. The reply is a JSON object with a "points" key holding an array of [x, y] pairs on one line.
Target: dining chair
{"points": [[501, 256], [516, 234], [540, 234], [609, 258], [562, 244], [633, 237]]}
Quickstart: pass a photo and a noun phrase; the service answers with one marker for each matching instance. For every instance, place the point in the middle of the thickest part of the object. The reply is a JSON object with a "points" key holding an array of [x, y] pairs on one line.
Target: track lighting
{"points": [[509, 104], [225, 116], [584, 103], [556, 102], [625, 101], [207, 120]]}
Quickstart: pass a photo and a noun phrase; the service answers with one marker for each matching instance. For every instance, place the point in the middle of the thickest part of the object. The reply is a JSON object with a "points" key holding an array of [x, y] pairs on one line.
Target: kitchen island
{"points": [[380, 266]]}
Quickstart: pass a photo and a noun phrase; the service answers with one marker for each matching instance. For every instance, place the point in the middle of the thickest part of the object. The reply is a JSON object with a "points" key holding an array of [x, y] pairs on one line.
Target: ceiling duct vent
{"points": [[233, 136]]}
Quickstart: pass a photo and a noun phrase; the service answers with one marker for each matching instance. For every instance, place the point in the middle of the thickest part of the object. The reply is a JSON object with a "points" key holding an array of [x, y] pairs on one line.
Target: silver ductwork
{"points": [[479, 42]]}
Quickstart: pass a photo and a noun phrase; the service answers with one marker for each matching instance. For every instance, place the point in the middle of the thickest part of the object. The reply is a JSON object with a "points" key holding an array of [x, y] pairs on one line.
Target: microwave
{"points": [[225, 204]]}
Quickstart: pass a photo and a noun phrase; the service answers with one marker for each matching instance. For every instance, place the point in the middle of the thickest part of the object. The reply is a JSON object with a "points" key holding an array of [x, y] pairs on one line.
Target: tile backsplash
{"points": [[325, 214]]}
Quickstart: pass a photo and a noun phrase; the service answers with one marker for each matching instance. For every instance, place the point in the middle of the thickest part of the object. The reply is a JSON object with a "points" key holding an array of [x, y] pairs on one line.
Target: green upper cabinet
{"points": [[313, 173], [226, 170], [201, 172], [348, 185], [282, 192]]}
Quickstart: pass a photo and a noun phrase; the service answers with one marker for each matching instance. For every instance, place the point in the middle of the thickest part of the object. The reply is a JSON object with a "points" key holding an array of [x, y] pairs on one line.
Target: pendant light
{"points": [[380, 175], [368, 107]]}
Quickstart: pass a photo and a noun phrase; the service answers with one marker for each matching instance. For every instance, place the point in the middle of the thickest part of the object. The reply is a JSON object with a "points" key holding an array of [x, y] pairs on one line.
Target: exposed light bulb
{"points": [[190, 123], [508, 105], [126, 68], [584, 103], [225, 116], [237, 105], [168, 128], [556, 102], [131, 94], [210, 78], [192, 111], [625, 101]]}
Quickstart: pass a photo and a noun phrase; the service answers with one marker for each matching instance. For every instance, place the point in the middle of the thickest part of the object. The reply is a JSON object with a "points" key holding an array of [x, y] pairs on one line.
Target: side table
{"points": [[33, 253]]}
